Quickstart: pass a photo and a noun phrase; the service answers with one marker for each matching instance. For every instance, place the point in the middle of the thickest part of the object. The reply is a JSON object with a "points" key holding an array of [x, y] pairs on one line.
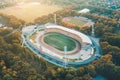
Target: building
{"points": [[84, 10]]}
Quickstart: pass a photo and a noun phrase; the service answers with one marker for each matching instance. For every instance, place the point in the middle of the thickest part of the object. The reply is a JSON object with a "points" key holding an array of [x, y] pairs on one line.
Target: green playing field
{"points": [[77, 22], [58, 41]]}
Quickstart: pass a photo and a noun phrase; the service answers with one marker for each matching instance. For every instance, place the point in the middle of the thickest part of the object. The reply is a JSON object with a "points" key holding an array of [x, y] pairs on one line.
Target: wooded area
{"points": [[19, 63]]}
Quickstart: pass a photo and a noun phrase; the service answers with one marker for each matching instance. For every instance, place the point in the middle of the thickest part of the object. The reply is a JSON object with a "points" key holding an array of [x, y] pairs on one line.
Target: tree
{"points": [[15, 23], [69, 77], [91, 70], [81, 71]]}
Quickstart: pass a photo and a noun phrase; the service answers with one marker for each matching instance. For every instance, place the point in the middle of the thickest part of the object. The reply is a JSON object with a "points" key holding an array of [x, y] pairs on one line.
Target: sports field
{"points": [[74, 21], [58, 41], [77, 22], [30, 11]]}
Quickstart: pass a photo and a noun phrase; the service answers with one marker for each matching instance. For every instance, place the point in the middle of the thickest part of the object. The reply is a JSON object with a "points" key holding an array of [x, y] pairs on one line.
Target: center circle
{"points": [[59, 41]]}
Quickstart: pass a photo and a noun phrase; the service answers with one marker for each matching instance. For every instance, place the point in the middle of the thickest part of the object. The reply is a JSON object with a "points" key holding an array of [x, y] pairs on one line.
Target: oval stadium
{"points": [[60, 45]]}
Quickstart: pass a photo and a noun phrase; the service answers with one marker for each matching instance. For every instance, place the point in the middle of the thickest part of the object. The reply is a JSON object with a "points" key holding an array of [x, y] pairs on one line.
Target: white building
{"points": [[1, 25], [84, 10]]}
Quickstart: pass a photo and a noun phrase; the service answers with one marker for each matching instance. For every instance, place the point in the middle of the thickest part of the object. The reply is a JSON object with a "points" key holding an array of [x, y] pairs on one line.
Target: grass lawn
{"points": [[58, 41], [30, 11]]}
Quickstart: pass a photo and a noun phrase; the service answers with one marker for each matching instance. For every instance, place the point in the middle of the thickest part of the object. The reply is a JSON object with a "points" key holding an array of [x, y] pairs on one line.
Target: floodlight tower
{"points": [[37, 25], [55, 21], [44, 27], [93, 30], [65, 51], [23, 41], [22, 35]]}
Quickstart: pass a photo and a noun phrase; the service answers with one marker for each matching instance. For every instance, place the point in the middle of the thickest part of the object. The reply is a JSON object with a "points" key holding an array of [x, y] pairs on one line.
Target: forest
{"points": [[19, 63]]}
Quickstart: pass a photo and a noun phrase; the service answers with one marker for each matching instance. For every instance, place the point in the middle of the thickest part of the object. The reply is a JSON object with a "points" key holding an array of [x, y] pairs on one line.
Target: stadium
{"points": [[60, 45]]}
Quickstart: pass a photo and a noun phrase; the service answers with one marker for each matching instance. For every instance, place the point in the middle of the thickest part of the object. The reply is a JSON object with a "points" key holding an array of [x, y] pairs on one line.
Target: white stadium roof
{"points": [[83, 36]]}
